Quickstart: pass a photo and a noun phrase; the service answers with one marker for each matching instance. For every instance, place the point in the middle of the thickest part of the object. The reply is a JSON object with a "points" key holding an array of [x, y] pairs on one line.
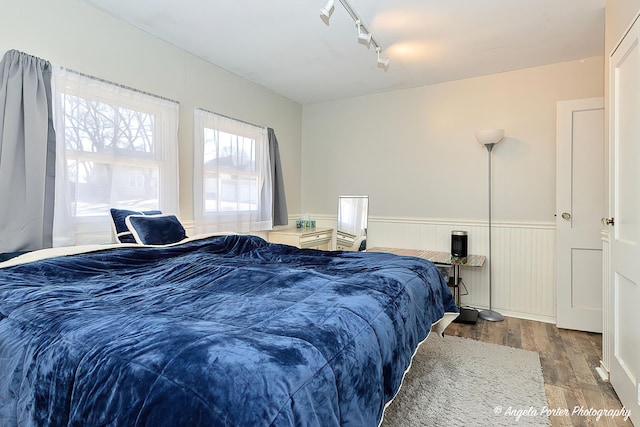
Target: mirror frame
{"points": [[345, 239]]}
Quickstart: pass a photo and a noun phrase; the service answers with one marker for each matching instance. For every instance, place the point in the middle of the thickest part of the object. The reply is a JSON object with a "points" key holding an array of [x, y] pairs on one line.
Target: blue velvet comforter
{"points": [[229, 331]]}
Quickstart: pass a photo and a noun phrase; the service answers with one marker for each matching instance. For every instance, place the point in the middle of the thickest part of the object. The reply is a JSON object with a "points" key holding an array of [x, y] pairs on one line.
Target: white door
{"points": [[579, 205], [624, 208]]}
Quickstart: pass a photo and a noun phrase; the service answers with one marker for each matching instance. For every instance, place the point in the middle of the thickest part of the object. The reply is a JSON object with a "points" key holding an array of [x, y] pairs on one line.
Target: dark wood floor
{"points": [[568, 360]]}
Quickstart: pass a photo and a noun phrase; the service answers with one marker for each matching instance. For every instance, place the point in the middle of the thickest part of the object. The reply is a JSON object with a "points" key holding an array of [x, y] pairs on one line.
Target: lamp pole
{"points": [[490, 315]]}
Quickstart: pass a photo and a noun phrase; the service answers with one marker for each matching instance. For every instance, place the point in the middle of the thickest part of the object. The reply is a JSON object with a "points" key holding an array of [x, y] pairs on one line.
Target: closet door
{"points": [[579, 203], [624, 208]]}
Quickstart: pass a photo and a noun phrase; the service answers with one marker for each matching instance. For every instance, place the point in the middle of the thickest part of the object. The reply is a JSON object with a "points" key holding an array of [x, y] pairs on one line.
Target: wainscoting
{"points": [[524, 255]]}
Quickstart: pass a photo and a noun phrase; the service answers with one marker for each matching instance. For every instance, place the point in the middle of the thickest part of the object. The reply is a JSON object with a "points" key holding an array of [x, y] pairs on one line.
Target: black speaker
{"points": [[459, 243]]}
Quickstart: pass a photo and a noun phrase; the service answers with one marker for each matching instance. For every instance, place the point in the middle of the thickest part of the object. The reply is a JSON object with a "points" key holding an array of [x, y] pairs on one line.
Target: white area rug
{"points": [[462, 382]]}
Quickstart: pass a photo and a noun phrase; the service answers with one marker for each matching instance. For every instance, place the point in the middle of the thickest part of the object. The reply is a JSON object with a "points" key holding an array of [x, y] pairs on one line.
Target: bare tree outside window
{"points": [[111, 156]]}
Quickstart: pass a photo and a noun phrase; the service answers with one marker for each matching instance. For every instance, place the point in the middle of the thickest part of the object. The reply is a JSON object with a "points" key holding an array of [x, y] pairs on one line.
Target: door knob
{"points": [[566, 215], [607, 221]]}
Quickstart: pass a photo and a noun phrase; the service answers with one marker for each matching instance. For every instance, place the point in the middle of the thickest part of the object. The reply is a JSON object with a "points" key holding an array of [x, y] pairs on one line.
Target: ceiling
{"points": [[285, 45]]}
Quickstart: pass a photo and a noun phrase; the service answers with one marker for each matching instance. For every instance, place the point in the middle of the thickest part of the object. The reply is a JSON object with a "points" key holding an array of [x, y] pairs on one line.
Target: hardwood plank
{"points": [[568, 359], [514, 335], [595, 399], [581, 359], [557, 396], [526, 335]]}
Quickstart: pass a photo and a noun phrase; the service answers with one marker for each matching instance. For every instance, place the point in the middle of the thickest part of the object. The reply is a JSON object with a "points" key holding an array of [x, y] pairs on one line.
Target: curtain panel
{"points": [[280, 214], [27, 153]]}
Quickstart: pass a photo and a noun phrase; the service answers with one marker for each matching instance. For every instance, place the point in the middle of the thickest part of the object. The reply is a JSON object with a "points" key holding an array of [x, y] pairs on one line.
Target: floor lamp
{"points": [[489, 138]]}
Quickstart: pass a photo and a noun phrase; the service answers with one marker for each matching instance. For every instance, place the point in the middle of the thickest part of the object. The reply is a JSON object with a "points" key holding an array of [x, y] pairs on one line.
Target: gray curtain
{"points": [[27, 153], [280, 215]]}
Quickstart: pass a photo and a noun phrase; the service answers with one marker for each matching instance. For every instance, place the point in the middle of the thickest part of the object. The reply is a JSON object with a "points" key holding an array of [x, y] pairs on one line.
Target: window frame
{"points": [[73, 229], [241, 220]]}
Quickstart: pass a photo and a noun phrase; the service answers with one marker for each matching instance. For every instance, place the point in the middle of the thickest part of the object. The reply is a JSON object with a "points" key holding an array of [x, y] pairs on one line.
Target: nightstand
{"points": [[304, 238]]}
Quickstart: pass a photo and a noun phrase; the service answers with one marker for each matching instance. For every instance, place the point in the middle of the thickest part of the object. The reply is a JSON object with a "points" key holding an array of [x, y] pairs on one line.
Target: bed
{"points": [[223, 330]]}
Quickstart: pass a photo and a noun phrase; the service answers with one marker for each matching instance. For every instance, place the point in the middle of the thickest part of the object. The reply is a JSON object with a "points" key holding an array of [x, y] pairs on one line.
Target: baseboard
{"points": [[520, 315]]}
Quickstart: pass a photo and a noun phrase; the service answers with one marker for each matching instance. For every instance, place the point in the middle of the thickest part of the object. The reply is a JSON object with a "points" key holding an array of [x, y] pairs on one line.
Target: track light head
{"points": [[382, 61], [363, 35], [327, 10]]}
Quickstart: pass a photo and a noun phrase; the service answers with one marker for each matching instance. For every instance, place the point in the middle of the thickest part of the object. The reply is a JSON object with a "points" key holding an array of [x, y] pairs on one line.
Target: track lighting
{"points": [[327, 9], [382, 61], [363, 35]]}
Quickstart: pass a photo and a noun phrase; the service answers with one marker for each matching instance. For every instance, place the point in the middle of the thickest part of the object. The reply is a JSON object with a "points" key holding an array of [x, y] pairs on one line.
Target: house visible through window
{"points": [[232, 179], [230, 175], [118, 149]]}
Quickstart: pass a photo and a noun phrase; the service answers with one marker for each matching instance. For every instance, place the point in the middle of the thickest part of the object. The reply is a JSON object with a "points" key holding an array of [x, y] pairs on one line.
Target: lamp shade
{"points": [[489, 136]]}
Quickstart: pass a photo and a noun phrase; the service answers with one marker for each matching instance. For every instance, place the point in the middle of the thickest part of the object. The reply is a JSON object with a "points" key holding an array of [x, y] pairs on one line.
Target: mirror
{"points": [[351, 234]]}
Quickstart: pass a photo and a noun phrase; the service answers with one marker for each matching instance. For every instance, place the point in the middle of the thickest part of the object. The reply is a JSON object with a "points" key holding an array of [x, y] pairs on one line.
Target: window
{"points": [[232, 178], [116, 147]]}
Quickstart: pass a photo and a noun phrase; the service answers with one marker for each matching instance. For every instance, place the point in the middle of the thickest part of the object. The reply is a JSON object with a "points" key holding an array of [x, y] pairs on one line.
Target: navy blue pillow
{"points": [[155, 229], [118, 216]]}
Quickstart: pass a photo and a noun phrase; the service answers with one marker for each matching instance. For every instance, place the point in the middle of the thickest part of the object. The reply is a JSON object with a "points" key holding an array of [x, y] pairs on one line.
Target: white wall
{"points": [[415, 154], [72, 34], [414, 151]]}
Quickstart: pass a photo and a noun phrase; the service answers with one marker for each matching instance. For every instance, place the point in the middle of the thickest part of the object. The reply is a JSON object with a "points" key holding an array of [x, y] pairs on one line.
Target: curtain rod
{"points": [[232, 118], [119, 85]]}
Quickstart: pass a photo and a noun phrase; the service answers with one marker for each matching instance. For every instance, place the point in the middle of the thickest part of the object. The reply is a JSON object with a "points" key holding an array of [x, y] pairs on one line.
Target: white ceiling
{"points": [[285, 46]]}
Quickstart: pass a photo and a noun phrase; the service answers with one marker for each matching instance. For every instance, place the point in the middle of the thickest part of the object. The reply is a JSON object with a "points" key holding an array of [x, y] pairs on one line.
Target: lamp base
{"points": [[490, 315]]}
